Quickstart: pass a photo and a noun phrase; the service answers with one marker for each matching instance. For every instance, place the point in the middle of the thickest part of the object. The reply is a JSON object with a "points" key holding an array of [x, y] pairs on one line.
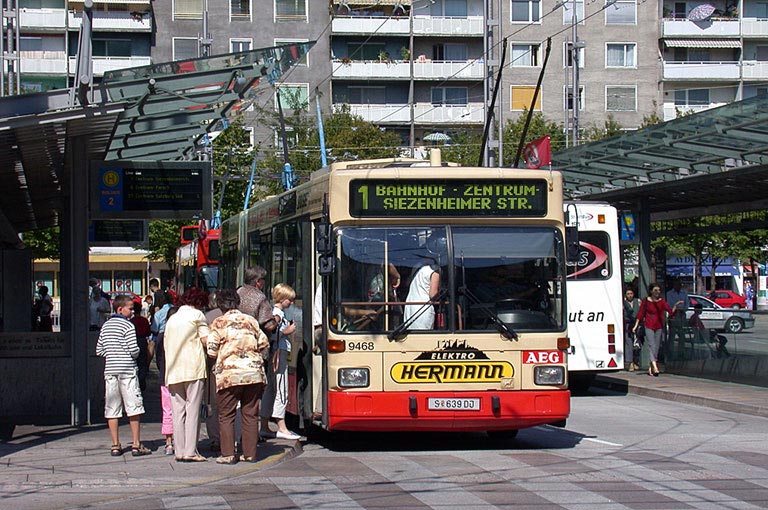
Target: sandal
{"points": [[249, 459], [138, 451], [116, 450], [227, 460], [196, 458]]}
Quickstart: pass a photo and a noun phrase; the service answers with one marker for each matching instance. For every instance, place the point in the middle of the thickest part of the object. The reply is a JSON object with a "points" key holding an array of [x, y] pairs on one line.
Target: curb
{"points": [[620, 386]]}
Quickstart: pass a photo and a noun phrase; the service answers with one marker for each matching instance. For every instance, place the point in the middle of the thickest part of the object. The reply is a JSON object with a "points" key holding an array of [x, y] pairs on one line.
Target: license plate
{"points": [[453, 404]]}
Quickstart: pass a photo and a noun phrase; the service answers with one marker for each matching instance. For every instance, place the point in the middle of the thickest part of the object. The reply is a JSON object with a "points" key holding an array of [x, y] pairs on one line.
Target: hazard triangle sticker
{"points": [[612, 363]]}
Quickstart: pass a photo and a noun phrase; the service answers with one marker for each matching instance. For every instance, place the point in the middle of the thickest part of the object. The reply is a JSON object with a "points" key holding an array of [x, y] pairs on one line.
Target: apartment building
{"points": [[713, 53], [241, 25], [614, 43], [48, 30], [372, 42]]}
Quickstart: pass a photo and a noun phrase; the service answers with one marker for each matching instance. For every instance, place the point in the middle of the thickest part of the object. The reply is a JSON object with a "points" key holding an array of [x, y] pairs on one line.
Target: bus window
{"points": [[594, 262]]}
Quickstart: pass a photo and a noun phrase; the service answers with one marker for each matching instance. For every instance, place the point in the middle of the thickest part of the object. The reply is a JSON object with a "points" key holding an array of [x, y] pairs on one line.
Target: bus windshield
{"points": [[467, 279]]}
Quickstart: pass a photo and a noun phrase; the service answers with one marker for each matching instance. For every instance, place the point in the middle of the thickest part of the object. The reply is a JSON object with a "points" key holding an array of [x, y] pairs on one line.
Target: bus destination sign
{"points": [[448, 197]]}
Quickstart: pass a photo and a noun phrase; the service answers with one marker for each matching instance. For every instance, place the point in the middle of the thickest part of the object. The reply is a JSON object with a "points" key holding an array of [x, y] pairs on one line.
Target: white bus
{"points": [[594, 295]]}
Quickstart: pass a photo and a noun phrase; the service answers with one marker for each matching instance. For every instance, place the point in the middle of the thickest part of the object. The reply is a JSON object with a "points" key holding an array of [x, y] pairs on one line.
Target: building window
{"points": [[240, 45], [568, 97], [293, 96], [240, 9], [622, 12], [449, 8], [290, 10], [111, 47], [692, 97], [525, 55], [281, 42], [30, 44], [621, 98], [456, 52], [568, 55], [184, 48], [187, 9], [620, 55], [449, 96], [291, 136], [365, 50], [521, 97], [568, 11], [525, 11], [363, 94]]}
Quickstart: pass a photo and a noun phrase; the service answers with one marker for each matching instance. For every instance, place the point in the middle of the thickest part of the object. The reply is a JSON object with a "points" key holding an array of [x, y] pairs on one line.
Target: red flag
{"points": [[538, 153]]}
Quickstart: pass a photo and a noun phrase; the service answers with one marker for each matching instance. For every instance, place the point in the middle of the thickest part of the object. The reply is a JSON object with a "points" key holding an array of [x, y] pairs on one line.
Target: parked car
{"points": [[728, 299], [719, 318]]}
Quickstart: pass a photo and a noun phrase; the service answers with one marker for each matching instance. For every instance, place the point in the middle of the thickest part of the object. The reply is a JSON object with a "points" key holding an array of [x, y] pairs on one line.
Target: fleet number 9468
{"points": [[360, 346]]}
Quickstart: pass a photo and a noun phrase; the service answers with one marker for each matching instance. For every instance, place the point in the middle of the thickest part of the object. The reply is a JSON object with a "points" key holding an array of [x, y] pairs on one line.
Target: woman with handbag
{"points": [[652, 311], [185, 339]]}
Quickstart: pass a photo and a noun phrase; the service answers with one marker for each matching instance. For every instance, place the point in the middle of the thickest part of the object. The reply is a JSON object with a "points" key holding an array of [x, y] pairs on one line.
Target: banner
{"points": [[538, 153]]}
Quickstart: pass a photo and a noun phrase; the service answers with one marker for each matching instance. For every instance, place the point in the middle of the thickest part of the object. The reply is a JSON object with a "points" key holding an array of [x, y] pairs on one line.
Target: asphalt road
{"points": [[617, 452], [753, 341]]}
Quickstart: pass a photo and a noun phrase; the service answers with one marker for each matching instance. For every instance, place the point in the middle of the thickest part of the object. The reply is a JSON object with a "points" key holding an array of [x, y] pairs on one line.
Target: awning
{"points": [[685, 270], [702, 43]]}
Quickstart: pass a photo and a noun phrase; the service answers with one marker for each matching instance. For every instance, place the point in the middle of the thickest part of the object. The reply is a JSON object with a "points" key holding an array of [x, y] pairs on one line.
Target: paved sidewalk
{"points": [[738, 398]]}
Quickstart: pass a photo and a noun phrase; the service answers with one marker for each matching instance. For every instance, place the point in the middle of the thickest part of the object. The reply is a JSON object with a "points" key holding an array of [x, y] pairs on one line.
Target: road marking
{"points": [[196, 503], [314, 492]]}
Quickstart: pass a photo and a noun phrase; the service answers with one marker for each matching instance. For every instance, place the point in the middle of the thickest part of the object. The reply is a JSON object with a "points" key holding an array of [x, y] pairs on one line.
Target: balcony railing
{"points": [[47, 19], [717, 27], [103, 64], [711, 70], [43, 62], [671, 110], [400, 70], [424, 113], [754, 70], [422, 25], [119, 21], [372, 25], [754, 27], [435, 25]]}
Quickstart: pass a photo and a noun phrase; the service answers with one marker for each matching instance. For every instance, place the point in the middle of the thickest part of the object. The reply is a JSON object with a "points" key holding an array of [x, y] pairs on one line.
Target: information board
{"points": [[118, 233], [448, 197], [150, 189]]}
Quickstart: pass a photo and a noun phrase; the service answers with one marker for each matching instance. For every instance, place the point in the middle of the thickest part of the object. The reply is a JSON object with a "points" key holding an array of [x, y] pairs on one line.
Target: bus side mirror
{"points": [[324, 243], [572, 247], [326, 265]]}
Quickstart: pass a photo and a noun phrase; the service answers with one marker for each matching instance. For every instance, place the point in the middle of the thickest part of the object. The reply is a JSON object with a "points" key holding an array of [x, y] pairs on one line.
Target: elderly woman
{"points": [[186, 335], [240, 349]]}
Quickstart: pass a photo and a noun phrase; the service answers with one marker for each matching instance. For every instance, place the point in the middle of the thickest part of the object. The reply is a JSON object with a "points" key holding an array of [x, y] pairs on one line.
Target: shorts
{"points": [[122, 391]]}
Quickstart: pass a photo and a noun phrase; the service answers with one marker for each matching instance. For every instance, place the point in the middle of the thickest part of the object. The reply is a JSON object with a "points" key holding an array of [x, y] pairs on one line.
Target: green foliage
{"points": [[609, 128], [164, 238], [538, 127], [464, 148], [653, 118], [44, 243], [232, 158]]}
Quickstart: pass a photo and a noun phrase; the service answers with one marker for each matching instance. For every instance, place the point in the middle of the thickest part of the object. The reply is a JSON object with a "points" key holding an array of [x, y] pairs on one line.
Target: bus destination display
{"points": [[449, 197]]}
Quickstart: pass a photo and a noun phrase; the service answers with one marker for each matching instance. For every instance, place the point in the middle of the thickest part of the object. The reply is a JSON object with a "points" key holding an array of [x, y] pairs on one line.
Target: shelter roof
{"points": [[159, 112], [712, 162]]}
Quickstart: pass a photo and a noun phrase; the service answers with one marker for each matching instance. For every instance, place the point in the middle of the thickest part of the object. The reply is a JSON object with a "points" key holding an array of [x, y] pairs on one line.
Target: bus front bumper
{"points": [[410, 411]]}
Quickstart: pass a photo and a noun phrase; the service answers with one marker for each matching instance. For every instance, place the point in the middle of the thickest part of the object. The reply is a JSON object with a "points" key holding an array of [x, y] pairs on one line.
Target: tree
{"points": [[652, 118], [464, 148], [44, 243], [538, 127], [164, 239], [609, 128]]}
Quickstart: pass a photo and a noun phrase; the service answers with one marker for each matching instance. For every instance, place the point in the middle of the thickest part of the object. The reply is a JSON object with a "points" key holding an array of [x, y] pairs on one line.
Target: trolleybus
{"points": [[595, 313], [440, 292]]}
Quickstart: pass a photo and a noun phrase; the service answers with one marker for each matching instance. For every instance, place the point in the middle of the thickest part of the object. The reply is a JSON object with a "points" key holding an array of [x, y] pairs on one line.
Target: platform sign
{"points": [[118, 233], [150, 189]]}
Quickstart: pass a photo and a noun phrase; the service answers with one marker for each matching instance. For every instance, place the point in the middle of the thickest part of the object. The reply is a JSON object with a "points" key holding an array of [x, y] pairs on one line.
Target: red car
{"points": [[728, 299]]}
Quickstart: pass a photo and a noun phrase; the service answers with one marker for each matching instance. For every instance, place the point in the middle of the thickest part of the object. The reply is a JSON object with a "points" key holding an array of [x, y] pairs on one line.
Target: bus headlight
{"points": [[548, 375], [354, 377]]}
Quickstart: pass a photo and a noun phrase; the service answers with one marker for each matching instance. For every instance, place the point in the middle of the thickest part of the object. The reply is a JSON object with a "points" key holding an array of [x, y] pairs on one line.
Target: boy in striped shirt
{"points": [[117, 344]]}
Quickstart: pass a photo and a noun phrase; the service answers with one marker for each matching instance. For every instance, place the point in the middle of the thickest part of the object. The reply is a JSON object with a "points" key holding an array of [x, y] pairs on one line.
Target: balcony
{"points": [[103, 64], [399, 70], [754, 27], [422, 25], [43, 19], [671, 110], [115, 21], [372, 25], [43, 62], [754, 70], [717, 27], [424, 113], [694, 70], [471, 26]]}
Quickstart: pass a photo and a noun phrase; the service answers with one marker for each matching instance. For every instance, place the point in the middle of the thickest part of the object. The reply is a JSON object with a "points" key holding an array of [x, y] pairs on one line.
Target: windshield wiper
{"points": [[501, 326], [402, 330]]}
